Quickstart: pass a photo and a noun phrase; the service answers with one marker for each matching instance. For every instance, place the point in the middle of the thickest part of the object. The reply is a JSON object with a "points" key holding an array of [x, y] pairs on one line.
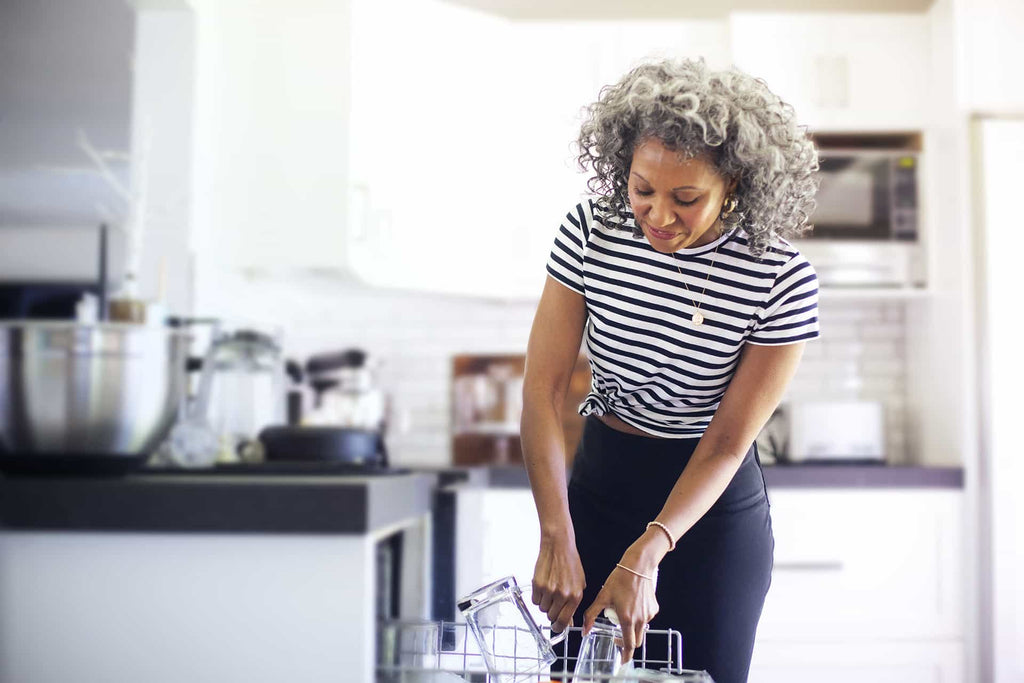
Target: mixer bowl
{"points": [[96, 396]]}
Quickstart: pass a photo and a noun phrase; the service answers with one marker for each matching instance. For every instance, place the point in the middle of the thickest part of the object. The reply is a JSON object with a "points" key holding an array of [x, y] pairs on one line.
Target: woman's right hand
{"points": [[558, 580]]}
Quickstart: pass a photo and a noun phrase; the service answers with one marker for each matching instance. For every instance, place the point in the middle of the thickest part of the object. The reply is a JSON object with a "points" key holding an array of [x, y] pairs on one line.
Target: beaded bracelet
{"points": [[633, 571], [671, 541]]}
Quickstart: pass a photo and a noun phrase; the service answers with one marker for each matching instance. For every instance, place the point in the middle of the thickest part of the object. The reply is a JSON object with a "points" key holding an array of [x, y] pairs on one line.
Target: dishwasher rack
{"points": [[458, 655]]}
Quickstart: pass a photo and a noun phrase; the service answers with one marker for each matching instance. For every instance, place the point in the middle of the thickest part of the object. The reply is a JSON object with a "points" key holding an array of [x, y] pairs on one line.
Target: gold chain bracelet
{"points": [[633, 571]]}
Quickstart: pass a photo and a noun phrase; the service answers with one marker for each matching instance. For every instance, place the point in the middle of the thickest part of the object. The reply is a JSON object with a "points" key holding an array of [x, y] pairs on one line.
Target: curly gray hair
{"points": [[731, 118]]}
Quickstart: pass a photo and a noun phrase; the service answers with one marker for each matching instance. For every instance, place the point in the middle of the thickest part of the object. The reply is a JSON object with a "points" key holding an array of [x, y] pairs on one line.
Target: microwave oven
{"points": [[866, 222]]}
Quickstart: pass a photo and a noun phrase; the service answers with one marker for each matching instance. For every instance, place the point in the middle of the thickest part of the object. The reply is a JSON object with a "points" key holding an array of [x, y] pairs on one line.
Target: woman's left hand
{"points": [[633, 600]]}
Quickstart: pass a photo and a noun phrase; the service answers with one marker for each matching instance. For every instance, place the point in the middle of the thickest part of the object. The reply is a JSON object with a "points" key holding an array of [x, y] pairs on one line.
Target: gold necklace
{"points": [[697, 317]]}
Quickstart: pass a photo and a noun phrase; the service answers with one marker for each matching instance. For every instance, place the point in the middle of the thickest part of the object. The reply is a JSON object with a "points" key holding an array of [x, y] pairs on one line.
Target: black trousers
{"points": [[711, 588]]}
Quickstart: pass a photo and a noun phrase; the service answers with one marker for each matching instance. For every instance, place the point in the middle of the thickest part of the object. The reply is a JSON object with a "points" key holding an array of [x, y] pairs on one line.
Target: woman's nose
{"points": [[660, 214]]}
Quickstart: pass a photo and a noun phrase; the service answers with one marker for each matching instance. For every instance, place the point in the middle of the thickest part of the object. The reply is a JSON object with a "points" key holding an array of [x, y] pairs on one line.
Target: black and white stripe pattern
{"points": [[651, 365]]}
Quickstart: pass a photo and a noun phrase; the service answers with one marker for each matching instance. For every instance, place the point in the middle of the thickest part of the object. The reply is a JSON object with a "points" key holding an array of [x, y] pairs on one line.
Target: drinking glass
{"points": [[600, 654], [408, 650]]}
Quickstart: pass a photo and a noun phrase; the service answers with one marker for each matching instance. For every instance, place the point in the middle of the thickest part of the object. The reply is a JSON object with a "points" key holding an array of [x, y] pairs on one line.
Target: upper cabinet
{"points": [[840, 71], [462, 162], [992, 54], [437, 199], [271, 131], [436, 152]]}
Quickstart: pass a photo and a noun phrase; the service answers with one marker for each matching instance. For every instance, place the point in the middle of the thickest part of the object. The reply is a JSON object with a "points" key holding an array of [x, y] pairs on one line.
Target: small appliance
{"points": [[867, 222], [835, 432]]}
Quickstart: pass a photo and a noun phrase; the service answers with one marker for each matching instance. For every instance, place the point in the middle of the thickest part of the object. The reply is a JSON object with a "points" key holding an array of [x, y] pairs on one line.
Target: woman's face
{"points": [[676, 202]]}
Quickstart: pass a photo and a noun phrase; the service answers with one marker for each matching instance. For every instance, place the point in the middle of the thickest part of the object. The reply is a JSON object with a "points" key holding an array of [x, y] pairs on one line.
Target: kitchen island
{"points": [[207, 577]]}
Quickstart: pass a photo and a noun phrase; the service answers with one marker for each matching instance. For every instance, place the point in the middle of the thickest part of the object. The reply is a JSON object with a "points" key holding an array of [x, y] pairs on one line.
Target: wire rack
{"points": [[455, 656]]}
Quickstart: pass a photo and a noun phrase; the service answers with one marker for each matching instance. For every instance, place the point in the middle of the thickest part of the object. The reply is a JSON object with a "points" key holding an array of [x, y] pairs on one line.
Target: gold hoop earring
{"points": [[728, 206]]}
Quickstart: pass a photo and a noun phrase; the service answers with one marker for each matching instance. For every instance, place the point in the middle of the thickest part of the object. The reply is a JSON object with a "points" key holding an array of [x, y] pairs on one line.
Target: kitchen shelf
{"points": [[491, 429], [874, 293]]}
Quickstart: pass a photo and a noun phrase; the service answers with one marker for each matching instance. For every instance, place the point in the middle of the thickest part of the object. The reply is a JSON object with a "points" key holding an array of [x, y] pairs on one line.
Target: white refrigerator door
{"points": [[999, 145]]}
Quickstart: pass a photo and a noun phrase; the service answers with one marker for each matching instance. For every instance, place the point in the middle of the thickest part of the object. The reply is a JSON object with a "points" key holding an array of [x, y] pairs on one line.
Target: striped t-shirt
{"points": [[650, 364]]}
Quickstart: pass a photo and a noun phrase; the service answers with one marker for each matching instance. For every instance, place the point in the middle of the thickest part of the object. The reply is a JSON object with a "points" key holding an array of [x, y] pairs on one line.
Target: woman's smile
{"points": [[660, 233], [666, 235]]}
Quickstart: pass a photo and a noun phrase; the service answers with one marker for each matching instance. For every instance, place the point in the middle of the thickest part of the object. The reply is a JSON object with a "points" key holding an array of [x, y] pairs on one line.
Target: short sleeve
{"points": [[565, 263], [790, 314]]}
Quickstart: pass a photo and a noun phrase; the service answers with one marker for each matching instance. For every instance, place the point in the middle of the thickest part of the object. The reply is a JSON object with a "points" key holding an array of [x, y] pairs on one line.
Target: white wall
{"points": [[163, 80]]}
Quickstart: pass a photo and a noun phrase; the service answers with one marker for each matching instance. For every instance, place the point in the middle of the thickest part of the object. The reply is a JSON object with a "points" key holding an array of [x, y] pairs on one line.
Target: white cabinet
{"points": [[497, 534], [271, 133], [866, 583], [438, 200], [462, 166], [840, 71], [992, 54], [843, 662]]}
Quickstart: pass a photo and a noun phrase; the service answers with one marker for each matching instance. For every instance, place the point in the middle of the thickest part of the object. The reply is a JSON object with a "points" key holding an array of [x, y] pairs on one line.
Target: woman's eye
{"points": [[648, 193]]}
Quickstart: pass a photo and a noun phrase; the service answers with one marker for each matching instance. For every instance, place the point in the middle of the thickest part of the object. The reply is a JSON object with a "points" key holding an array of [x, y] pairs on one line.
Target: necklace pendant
{"points": [[697, 318]]}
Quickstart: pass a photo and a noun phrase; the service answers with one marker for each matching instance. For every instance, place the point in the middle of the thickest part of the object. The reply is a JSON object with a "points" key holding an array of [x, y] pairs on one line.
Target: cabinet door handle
{"points": [[809, 566]]}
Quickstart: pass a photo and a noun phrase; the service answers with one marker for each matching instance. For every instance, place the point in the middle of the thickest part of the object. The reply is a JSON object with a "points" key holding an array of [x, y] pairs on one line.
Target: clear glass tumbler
{"points": [[600, 654], [408, 650]]}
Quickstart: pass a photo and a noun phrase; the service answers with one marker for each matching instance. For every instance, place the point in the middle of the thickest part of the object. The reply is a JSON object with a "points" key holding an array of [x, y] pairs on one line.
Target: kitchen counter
{"points": [[208, 576], [803, 476], [209, 502]]}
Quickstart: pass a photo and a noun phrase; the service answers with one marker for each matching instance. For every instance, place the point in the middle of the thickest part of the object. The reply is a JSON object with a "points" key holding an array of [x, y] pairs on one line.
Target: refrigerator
{"points": [[998, 181]]}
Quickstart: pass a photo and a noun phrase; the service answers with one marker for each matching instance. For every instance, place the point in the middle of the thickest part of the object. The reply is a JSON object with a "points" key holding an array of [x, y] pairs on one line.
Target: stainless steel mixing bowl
{"points": [[104, 392]]}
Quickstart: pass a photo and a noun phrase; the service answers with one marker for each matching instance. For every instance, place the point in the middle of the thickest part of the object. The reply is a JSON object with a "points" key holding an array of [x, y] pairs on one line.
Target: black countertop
{"points": [[212, 502], [326, 503], [806, 476]]}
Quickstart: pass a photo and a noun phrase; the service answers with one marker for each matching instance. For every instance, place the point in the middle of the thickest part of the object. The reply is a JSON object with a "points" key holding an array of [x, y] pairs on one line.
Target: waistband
{"points": [[638, 472]]}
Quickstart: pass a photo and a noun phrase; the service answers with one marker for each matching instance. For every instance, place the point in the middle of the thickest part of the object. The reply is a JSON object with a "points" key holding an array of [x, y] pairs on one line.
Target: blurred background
{"points": [[386, 177]]}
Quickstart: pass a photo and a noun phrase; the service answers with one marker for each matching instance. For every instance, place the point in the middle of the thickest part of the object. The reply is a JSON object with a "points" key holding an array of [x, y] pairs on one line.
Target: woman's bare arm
{"points": [[550, 358]]}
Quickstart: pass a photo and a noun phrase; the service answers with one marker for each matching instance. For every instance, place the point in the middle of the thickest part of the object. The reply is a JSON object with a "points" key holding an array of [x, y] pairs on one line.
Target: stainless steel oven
{"points": [[867, 222]]}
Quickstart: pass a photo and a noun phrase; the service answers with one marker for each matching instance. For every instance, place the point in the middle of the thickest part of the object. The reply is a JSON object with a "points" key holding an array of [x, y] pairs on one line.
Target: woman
{"points": [[695, 311]]}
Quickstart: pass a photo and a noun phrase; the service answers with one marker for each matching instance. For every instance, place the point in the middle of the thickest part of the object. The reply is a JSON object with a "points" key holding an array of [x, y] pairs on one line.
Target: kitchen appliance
{"points": [[836, 432], [506, 631], [867, 223], [347, 421], [347, 393], [243, 388], [90, 397]]}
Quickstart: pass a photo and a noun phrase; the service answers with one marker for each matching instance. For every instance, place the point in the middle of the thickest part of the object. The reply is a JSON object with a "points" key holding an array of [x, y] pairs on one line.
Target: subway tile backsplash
{"points": [[861, 354]]}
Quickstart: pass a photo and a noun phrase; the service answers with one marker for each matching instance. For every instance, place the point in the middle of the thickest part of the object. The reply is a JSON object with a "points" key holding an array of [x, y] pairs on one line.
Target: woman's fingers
{"points": [[638, 638], [590, 616], [628, 642], [547, 599], [558, 583], [563, 605], [563, 619]]}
